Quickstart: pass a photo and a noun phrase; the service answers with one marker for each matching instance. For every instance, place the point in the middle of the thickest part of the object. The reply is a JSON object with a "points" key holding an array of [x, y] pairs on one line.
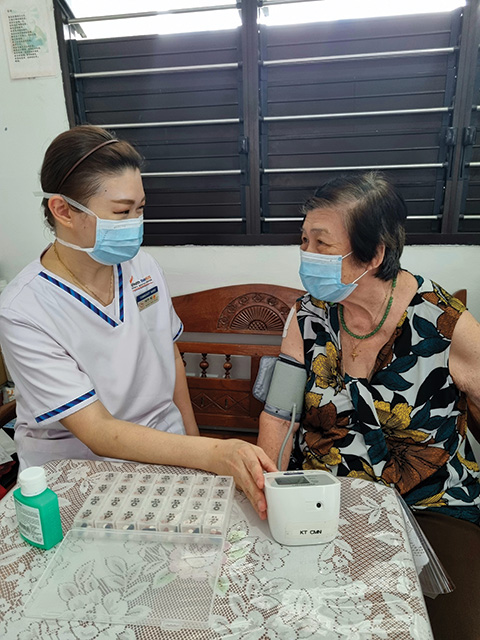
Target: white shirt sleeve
{"points": [[175, 322], [47, 377], [288, 320]]}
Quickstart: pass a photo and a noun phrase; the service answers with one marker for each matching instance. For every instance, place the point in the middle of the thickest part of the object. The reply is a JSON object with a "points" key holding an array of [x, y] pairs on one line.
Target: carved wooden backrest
{"points": [[244, 308]]}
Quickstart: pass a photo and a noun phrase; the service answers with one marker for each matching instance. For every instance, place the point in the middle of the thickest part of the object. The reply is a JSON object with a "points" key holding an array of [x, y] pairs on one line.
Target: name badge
{"points": [[147, 298]]}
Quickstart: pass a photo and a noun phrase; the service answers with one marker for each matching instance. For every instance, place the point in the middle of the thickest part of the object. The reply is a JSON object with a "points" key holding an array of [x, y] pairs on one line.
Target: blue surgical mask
{"points": [[321, 275], [115, 240]]}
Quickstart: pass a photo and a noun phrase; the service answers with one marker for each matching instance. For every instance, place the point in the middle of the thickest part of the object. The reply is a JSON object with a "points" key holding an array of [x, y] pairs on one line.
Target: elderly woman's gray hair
{"points": [[374, 214]]}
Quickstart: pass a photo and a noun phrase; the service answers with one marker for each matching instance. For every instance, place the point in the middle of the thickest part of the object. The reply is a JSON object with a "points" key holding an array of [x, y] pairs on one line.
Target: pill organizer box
{"points": [[168, 503]]}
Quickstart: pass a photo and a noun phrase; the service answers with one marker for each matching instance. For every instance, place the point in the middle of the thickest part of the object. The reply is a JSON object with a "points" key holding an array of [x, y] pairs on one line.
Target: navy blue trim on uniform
{"points": [[64, 407], [120, 291], [80, 298], [178, 332]]}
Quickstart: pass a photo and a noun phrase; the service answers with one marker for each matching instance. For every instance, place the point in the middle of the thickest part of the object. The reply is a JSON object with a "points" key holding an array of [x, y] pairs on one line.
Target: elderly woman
{"points": [[391, 359]]}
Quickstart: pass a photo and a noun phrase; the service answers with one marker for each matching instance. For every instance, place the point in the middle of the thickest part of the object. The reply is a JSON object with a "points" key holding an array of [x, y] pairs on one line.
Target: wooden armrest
{"points": [[7, 412]]}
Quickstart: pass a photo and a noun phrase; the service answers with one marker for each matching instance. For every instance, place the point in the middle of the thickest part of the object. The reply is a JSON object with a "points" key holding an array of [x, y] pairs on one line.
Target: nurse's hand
{"points": [[246, 463]]}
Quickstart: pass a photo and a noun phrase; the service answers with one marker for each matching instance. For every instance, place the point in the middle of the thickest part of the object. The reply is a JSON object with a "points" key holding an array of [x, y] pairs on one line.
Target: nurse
{"points": [[88, 330]]}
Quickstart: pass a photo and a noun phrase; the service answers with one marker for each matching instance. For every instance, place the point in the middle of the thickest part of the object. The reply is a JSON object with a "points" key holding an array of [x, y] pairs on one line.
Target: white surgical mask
{"points": [[115, 240], [321, 275]]}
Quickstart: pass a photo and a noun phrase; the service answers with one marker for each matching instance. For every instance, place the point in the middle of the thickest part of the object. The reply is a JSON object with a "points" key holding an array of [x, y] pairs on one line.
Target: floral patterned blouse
{"points": [[406, 426]]}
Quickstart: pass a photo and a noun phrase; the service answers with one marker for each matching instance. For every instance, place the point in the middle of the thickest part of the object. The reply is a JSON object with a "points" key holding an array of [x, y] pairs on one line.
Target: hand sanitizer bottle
{"points": [[37, 509]]}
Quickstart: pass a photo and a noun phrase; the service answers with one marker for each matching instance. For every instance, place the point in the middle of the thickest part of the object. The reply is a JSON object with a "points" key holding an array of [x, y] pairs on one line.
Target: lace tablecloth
{"points": [[361, 586]]}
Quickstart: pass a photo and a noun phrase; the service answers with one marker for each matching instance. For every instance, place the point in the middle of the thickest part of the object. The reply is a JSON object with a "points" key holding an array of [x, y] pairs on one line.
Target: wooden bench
{"points": [[473, 414], [242, 320]]}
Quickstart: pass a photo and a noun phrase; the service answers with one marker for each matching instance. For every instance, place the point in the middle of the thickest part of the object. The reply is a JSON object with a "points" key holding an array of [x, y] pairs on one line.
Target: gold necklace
{"points": [[354, 352], [83, 285]]}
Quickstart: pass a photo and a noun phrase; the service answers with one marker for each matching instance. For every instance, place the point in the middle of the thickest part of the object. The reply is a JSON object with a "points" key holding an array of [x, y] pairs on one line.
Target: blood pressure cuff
{"points": [[280, 384]]}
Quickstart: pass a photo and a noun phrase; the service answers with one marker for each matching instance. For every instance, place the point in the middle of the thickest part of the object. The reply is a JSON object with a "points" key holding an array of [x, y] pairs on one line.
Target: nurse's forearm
{"points": [[109, 437], [181, 396]]}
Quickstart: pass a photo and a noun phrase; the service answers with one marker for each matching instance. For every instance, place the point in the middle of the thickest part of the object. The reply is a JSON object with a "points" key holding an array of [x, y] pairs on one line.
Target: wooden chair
{"points": [[8, 470], [7, 412], [461, 295], [250, 315]]}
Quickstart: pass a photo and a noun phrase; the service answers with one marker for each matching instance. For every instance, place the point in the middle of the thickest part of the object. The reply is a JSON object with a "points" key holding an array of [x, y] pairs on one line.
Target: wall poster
{"points": [[29, 38]]}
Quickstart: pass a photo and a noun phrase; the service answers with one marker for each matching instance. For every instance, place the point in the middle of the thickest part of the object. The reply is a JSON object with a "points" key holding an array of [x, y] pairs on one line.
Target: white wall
{"points": [[32, 113], [192, 268]]}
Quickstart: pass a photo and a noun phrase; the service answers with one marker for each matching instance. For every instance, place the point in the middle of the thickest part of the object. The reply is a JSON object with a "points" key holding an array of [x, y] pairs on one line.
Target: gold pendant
{"points": [[354, 354]]}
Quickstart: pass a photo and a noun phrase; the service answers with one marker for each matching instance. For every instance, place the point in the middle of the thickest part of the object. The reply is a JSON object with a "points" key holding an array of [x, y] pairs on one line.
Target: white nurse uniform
{"points": [[64, 350]]}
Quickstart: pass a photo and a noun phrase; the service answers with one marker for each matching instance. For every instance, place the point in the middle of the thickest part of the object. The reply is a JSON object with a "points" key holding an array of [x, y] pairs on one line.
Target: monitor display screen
{"points": [[289, 480]]}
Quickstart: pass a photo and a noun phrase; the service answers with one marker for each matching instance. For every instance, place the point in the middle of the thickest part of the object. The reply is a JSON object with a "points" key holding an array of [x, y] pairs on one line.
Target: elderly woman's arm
{"points": [[272, 430], [464, 362]]}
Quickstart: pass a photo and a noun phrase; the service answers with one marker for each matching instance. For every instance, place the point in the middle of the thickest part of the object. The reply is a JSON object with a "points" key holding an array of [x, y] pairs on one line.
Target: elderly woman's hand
{"points": [[246, 463]]}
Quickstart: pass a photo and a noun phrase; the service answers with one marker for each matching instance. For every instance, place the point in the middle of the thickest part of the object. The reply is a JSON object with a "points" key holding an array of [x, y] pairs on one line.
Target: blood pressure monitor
{"points": [[303, 506]]}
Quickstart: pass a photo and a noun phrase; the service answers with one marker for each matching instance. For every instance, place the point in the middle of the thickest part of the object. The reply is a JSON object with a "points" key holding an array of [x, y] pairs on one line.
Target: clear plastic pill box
{"points": [[185, 503]]}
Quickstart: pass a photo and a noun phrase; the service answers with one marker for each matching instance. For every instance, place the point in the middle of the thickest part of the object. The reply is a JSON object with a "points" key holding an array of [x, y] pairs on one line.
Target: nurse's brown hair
{"points": [[72, 169]]}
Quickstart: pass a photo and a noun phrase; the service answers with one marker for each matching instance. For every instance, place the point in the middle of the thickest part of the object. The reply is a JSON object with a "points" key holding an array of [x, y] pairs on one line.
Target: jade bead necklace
{"points": [[377, 328]]}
